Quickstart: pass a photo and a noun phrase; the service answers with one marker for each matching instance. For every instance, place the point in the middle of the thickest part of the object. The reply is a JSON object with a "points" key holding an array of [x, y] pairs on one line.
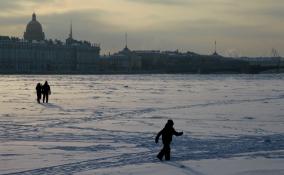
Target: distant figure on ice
{"points": [[46, 92], [38, 92], [167, 133]]}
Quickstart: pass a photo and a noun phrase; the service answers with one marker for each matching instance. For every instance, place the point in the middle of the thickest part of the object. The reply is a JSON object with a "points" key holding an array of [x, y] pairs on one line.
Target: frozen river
{"points": [[106, 124]]}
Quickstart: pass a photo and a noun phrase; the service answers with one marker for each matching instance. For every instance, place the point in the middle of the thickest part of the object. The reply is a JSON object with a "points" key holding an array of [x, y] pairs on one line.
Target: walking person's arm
{"points": [[177, 133], [158, 136]]}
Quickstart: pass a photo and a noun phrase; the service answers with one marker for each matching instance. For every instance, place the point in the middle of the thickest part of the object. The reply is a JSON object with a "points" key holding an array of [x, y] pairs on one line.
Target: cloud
{"points": [[8, 4], [18, 4], [162, 2], [248, 26]]}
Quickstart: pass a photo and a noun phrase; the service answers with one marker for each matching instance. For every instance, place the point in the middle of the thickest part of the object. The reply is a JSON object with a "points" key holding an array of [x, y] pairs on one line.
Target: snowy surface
{"points": [[106, 124]]}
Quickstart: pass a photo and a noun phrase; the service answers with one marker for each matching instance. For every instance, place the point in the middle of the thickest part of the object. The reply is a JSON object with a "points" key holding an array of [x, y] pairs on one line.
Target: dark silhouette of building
{"points": [[34, 30], [35, 54]]}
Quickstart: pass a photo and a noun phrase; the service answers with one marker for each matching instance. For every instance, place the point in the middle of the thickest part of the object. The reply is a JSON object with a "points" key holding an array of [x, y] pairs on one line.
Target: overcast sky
{"points": [[243, 27]]}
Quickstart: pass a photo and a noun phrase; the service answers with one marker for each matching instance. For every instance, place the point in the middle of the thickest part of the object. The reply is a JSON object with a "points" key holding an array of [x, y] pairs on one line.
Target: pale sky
{"points": [[243, 27]]}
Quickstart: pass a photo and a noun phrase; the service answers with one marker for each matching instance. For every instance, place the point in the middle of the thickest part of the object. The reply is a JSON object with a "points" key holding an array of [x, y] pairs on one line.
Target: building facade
{"points": [[34, 54]]}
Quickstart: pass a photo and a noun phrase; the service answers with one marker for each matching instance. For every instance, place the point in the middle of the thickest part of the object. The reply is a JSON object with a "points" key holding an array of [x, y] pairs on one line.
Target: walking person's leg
{"points": [[38, 98], [43, 99], [161, 153], [167, 152]]}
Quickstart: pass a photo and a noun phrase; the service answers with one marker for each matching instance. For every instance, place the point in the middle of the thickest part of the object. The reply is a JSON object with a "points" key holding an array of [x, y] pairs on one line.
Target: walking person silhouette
{"points": [[167, 133], [46, 92], [38, 92]]}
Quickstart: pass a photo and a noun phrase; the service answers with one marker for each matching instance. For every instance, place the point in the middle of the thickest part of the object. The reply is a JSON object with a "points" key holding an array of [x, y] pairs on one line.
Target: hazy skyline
{"points": [[250, 28]]}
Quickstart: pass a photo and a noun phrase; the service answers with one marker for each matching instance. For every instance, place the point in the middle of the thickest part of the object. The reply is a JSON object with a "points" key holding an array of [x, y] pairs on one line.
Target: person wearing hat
{"points": [[167, 133]]}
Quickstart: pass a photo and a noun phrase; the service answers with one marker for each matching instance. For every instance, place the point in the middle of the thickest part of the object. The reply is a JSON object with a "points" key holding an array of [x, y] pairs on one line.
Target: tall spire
{"points": [[71, 31], [215, 47], [126, 40]]}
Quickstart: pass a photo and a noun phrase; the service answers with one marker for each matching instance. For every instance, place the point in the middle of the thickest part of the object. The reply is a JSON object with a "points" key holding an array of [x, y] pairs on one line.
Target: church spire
{"points": [[126, 40], [71, 31], [215, 47]]}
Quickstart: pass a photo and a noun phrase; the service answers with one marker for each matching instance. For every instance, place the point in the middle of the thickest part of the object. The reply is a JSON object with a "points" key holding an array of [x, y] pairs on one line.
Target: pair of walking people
{"points": [[43, 90]]}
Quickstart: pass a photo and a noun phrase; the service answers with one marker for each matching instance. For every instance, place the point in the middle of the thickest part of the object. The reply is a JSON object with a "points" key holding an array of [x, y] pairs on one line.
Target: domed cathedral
{"points": [[34, 30]]}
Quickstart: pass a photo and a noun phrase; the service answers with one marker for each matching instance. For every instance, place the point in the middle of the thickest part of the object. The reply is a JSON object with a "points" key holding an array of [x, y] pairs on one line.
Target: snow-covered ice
{"points": [[106, 124]]}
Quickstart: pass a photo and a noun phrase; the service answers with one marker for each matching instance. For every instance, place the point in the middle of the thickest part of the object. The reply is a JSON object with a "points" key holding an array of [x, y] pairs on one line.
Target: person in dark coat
{"points": [[167, 133], [38, 92], [46, 92]]}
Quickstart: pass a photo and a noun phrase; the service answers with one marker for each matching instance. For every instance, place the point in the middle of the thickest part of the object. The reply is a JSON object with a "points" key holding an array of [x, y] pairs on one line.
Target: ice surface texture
{"points": [[95, 122]]}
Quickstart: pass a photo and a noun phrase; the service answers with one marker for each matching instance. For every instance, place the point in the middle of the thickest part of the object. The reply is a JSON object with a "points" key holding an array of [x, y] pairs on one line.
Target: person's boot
{"points": [[160, 157]]}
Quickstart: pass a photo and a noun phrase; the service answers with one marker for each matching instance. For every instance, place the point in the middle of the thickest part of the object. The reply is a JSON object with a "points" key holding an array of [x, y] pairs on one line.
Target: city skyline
{"points": [[245, 28]]}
